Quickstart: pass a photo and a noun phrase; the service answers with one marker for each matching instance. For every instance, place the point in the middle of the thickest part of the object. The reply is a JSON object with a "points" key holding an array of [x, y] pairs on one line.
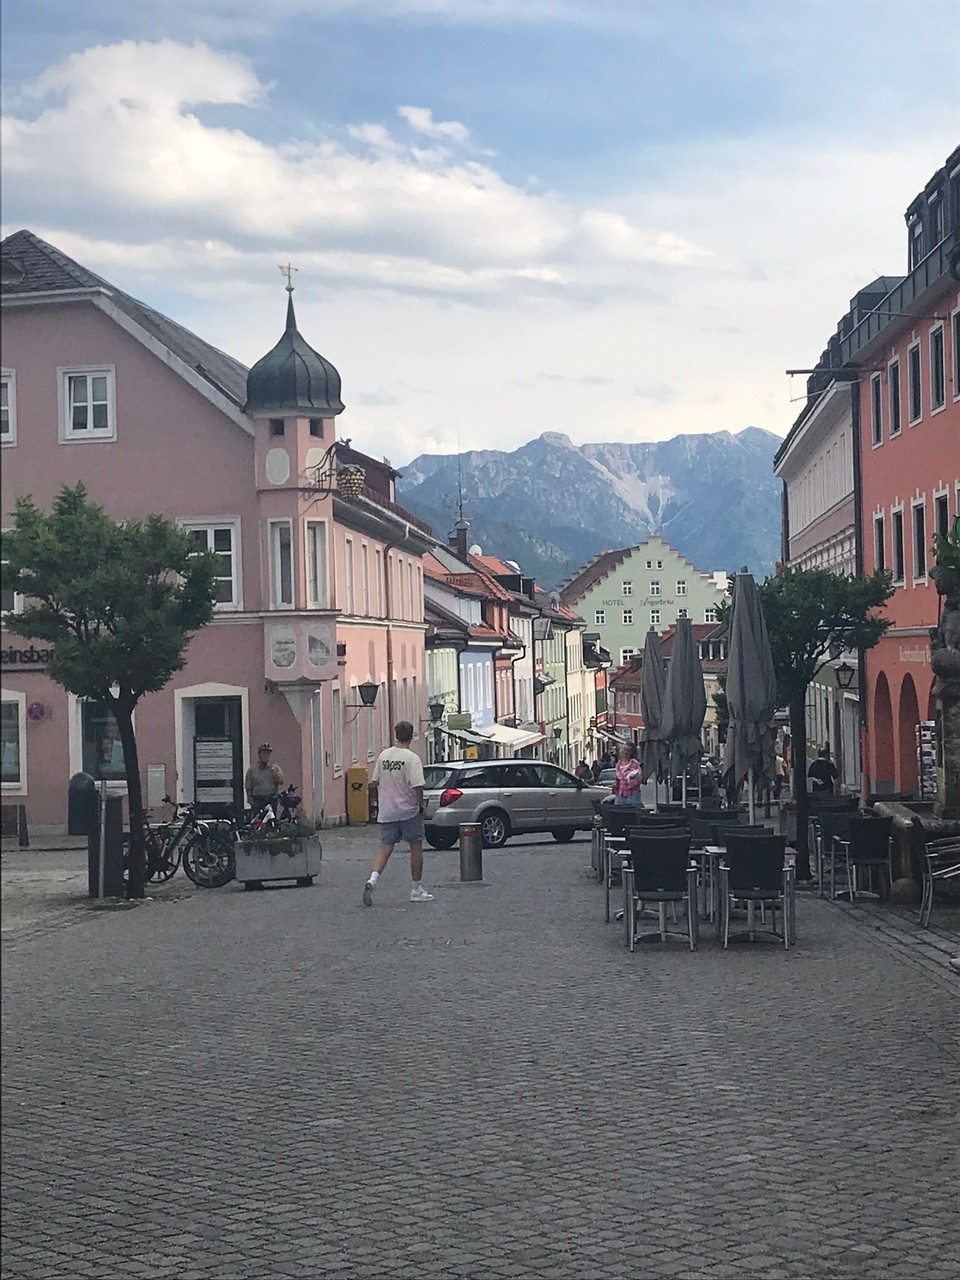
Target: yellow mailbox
{"points": [[358, 796]]}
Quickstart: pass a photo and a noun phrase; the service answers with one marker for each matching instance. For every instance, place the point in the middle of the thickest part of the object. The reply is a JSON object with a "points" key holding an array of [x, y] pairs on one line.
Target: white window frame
{"points": [[710, 613], [626, 589], [277, 599], [897, 510], [599, 617], [682, 613], [336, 716], [628, 617], [89, 435], [655, 588], [626, 653], [879, 541], [317, 567], [19, 699], [876, 411], [649, 564], [919, 504], [659, 564], [9, 437], [955, 352], [911, 420], [681, 587], [655, 618], [895, 419], [940, 328], [207, 524], [75, 705], [349, 587], [378, 575], [365, 578], [941, 495]]}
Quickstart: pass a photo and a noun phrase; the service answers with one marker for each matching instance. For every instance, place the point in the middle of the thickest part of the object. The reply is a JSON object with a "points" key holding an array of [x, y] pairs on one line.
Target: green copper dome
{"points": [[293, 378]]}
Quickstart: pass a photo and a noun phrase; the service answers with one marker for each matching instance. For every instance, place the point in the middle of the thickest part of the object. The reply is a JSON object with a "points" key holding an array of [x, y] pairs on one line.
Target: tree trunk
{"points": [[798, 740], [137, 865]]}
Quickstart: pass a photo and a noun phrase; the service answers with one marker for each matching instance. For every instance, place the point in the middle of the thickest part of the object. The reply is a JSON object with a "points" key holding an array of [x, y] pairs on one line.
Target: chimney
{"points": [[636, 661], [458, 539]]}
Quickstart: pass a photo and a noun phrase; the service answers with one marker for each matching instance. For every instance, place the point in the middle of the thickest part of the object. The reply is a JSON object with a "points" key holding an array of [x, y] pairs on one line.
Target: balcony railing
{"points": [[896, 305]]}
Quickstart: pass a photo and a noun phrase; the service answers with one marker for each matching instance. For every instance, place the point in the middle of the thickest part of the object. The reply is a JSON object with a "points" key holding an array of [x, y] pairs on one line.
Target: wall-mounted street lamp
{"points": [[436, 710], [845, 673], [557, 731], [368, 696]]}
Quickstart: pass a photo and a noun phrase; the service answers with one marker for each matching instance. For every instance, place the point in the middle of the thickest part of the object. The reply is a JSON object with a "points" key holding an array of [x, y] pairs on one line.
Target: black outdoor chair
{"points": [[617, 818], [941, 863], [720, 830], [865, 848], [831, 827], [754, 871], [659, 872], [659, 821]]}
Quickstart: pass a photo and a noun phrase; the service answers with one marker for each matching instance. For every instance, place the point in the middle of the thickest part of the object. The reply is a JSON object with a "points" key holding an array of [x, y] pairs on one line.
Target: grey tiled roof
{"points": [[31, 267]]}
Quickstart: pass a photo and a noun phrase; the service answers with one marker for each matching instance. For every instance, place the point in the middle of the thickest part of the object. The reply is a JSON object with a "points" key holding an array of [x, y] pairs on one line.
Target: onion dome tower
{"points": [[293, 379]]}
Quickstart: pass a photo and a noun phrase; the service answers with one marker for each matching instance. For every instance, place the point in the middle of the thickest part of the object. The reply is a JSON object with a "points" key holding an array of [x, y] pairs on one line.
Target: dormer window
{"points": [[915, 233], [935, 219]]}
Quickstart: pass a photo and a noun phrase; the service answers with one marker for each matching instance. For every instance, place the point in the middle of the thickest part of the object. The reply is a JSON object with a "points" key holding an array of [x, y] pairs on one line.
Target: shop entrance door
{"points": [[218, 756]]}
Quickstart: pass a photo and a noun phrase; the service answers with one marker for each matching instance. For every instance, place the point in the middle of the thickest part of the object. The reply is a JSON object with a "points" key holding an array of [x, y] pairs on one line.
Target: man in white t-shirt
{"points": [[397, 780]]}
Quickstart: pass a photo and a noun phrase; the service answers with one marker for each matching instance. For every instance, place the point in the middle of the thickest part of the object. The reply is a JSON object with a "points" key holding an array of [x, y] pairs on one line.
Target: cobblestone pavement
{"points": [[226, 1086]]}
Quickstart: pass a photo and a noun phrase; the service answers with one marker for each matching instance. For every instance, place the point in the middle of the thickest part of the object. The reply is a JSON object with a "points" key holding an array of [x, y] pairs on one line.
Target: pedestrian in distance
{"points": [[582, 771], [263, 781], [397, 781], [780, 776], [823, 773], [629, 777], [595, 770]]}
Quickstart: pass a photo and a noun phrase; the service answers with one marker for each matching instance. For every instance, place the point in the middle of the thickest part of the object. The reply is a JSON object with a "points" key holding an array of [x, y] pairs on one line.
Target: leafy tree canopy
{"points": [[813, 614], [116, 602]]}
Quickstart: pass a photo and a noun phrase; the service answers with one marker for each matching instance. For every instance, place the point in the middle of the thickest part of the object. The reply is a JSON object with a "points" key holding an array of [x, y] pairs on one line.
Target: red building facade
{"points": [[907, 477]]}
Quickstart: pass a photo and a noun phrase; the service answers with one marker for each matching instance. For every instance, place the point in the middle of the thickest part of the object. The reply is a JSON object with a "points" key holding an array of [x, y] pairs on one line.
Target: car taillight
{"points": [[449, 796]]}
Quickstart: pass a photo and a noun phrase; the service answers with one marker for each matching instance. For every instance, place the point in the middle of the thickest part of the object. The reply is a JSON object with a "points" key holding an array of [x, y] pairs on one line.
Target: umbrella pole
{"points": [[751, 809], [683, 787]]}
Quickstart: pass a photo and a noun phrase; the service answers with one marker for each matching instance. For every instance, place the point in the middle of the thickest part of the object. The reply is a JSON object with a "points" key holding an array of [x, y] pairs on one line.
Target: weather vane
{"points": [[288, 271]]}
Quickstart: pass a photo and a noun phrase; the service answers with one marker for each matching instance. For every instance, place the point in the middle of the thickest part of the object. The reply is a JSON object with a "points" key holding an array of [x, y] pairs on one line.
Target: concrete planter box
{"points": [[292, 858]]}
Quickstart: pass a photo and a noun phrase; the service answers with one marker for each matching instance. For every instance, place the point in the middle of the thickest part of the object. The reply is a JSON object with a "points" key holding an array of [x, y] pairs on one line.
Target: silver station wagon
{"points": [[506, 797]]}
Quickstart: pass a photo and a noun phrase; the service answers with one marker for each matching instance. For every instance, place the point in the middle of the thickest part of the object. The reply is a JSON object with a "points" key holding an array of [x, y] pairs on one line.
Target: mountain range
{"points": [[551, 505]]}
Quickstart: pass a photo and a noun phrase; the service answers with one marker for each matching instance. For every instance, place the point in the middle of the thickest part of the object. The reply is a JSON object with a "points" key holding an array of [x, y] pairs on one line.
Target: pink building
{"points": [[321, 579]]}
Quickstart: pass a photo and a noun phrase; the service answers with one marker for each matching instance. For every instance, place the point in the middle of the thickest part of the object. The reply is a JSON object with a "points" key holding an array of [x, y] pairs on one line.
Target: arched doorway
{"points": [[883, 774], [907, 720]]}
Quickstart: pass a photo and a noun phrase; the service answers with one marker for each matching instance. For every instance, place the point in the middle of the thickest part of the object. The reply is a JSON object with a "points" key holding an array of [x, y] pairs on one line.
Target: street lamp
{"points": [[436, 710], [845, 673]]}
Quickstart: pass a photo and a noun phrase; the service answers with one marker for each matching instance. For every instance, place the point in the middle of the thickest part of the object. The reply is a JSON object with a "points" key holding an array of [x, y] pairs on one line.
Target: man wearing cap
{"points": [[264, 780]]}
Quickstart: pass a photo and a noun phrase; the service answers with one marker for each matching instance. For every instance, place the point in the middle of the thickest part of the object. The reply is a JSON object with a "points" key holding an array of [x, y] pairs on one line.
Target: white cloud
{"points": [[386, 213]]}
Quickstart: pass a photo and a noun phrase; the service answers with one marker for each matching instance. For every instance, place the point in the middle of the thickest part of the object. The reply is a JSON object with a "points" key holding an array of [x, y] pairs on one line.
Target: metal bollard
{"points": [[471, 851]]}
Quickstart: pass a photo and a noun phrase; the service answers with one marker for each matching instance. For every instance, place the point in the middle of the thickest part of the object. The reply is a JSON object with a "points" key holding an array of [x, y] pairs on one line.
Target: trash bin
{"points": [[471, 851], [358, 796], [83, 806]]}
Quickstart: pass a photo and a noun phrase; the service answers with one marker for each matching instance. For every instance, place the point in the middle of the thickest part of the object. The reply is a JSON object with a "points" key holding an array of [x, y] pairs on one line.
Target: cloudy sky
{"points": [[618, 219]]}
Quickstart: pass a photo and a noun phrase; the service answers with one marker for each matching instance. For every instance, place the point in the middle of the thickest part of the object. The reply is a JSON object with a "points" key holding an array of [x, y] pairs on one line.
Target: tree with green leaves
{"points": [[812, 616], [117, 603]]}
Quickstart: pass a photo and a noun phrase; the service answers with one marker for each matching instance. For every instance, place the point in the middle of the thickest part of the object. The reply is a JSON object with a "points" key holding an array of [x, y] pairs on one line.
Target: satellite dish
{"points": [[476, 550], [512, 564]]}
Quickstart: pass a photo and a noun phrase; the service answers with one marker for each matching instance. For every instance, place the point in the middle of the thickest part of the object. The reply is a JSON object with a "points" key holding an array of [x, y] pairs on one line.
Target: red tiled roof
{"points": [[701, 631], [584, 579]]}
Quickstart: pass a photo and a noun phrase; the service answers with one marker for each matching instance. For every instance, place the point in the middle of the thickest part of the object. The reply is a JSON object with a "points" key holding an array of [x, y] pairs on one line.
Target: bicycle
{"points": [[204, 847]]}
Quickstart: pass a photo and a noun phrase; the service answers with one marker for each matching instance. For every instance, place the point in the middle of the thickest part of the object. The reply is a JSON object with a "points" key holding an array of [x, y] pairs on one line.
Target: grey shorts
{"points": [[409, 829]]}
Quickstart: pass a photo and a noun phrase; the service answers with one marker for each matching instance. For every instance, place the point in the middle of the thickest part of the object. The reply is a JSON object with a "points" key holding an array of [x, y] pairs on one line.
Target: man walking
{"points": [[397, 780]]}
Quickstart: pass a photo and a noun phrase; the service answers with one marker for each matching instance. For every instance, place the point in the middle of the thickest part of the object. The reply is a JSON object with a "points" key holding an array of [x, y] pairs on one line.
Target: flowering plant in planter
{"points": [[288, 852]]}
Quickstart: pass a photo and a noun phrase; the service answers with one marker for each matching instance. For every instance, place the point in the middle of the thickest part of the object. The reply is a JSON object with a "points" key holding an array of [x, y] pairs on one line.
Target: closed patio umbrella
{"points": [[652, 683], [751, 689], [684, 703]]}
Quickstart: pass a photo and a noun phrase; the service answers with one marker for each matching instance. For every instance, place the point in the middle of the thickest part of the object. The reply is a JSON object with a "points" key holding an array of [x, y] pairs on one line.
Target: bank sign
{"points": [[24, 659]]}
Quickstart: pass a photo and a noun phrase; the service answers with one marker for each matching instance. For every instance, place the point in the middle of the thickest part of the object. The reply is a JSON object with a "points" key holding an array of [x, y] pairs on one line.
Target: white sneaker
{"points": [[368, 889], [419, 894]]}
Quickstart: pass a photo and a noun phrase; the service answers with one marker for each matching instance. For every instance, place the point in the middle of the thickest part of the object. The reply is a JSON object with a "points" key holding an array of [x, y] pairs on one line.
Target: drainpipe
{"points": [[388, 610], [855, 433]]}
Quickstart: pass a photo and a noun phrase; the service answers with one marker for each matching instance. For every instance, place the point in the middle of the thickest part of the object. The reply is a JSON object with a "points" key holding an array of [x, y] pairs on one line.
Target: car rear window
{"points": [[436, 777]]}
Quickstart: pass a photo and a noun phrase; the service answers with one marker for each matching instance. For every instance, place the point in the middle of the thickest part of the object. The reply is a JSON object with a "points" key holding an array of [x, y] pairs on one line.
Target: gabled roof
{"points": [[33, 270], [585, 578], [701, 631]]}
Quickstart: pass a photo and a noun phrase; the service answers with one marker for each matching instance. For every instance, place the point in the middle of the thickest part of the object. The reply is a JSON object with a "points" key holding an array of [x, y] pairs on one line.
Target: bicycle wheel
{"points": [[163, 857], [208, 859]]}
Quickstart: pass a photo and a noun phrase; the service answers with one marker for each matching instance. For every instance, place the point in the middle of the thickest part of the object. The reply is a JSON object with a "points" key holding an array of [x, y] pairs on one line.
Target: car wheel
{"points": [[438, 838], [563, 834], [495, 829]]}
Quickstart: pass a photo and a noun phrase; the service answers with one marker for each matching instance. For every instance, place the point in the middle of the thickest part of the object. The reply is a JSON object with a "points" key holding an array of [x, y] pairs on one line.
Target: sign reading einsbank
{"points": [[28, 658]]}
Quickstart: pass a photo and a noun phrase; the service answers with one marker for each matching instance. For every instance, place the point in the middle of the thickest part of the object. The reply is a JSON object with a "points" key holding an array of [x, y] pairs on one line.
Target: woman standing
{"points": [[626, 790]]}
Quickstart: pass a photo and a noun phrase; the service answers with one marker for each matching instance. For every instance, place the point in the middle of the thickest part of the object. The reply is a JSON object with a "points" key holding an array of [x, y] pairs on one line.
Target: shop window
{"points": [[12, 773]]}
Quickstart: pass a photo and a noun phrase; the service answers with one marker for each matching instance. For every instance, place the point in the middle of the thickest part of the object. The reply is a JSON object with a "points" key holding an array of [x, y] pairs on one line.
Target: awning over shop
{"points": [[467, 735], [507, 737], [612, 737]]}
